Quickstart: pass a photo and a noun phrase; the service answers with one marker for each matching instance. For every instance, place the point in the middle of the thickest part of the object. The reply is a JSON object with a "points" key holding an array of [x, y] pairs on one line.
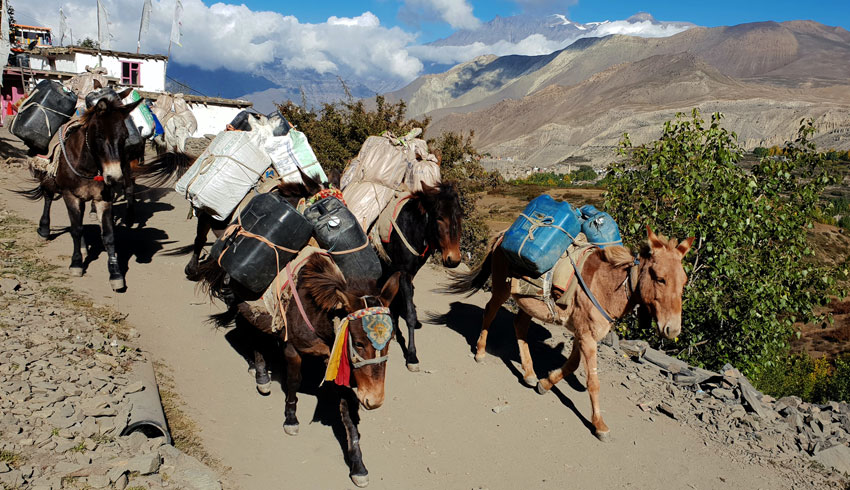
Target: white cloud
{"points": [[537, 44], [235, 37], [456, 13]]}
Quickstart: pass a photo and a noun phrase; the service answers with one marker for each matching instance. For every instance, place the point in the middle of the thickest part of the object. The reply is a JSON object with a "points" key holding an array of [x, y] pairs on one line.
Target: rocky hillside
{"points": [[578, 101]]}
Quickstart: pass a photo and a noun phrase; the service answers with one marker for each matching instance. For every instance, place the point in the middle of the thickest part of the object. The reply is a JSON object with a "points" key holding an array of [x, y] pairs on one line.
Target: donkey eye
{"points": [[359, 345], [661, 281]]}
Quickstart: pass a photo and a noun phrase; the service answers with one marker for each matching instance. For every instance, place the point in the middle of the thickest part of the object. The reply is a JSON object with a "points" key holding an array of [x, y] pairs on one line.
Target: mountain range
{"points": [[503, 35], [577, 102]]}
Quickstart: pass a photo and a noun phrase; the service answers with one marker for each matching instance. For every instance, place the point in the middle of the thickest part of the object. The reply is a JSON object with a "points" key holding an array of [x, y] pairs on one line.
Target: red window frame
{"points": [[130, 72]]}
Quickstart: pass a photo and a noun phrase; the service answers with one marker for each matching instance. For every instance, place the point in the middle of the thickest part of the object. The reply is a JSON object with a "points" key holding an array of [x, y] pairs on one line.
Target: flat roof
{"points": [[46, 73], [202, 99], [54, 50]]}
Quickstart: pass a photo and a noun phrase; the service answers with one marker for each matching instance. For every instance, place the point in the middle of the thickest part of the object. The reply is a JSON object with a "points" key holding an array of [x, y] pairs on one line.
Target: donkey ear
{"points": [[101, 106], [654, 241], [124, 93], [128, 108], [390, 289], [685, 245], [345, 299]]}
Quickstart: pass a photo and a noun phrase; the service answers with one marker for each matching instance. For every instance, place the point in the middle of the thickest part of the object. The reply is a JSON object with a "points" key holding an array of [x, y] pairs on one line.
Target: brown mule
{"points": [[659, 277]]}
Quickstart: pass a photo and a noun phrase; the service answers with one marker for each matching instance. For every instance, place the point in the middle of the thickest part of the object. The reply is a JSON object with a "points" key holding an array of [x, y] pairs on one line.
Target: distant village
{"points": [[34, 57]]}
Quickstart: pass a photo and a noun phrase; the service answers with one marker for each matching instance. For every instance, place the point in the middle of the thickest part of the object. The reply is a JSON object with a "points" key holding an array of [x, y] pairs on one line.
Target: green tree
{"points": [[88, 43], [760, 151], [750, 271]]}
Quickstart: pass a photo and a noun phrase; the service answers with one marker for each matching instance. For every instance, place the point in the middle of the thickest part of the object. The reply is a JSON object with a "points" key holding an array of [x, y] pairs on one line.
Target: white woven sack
{"points": [[381, 161], [366, 200], [291, 151], [223, 174]]}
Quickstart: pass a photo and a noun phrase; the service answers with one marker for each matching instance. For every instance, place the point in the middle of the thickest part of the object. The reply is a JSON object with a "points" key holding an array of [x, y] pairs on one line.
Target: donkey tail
{"points": [[212, 282], [225, 318], [469, 283], [35, 194], [161, 170]]}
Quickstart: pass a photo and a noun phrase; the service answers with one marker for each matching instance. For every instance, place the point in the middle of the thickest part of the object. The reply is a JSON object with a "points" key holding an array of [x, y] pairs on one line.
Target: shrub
{"points": [[760, 151], [813, 380], [584, 172], [750, 271], [338, 130]]}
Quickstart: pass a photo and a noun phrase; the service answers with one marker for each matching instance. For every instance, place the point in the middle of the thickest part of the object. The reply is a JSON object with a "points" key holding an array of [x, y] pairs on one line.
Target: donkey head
{"points": [[442, 204], [369, 331], [662, 280], [106, 133], [369, 340]]}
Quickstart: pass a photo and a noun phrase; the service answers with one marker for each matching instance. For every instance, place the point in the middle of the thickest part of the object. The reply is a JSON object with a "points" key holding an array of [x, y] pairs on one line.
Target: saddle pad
{"points": [[270, 297], [384, 225], [562, 276]]}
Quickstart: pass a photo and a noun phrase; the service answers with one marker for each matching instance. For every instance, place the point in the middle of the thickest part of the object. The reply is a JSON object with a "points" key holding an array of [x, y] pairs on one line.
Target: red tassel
{"points": [[343, 375], [98, 178]]}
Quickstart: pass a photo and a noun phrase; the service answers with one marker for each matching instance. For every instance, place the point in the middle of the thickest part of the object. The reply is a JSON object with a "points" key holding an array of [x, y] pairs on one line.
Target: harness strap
{"points": [[297, 298], [589, 294], [98, 177]]}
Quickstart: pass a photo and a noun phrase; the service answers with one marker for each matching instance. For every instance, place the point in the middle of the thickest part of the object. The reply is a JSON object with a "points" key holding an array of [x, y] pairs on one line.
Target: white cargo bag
{"points": [[223, 174], [291, 151], [141, 115], [366, 200]]}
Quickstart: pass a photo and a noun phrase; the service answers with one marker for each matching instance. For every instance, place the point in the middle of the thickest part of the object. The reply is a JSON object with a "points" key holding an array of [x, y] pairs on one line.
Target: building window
{"points": [[129, 73]]}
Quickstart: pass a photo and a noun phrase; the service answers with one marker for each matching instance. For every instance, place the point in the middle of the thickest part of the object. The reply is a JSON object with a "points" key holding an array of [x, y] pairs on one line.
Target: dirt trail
{"points": [[437, 428]]}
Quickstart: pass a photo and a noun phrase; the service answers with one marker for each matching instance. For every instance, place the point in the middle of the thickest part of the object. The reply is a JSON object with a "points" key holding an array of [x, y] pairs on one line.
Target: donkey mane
{"points": [[322, 280], [92, 112], [617, 256]]}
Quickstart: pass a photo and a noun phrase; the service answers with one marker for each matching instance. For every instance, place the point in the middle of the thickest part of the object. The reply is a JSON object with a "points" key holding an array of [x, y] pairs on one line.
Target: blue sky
{"points": [[706, 13]]}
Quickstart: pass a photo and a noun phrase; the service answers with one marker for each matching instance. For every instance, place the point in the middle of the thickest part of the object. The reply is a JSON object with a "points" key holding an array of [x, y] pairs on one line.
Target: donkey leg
{"points": [[567, 369], [357, 472], [107, 229], [264, 381], [130, 194], [500, 294], [44, 223], [410, 317], [588, 351], [76, 208], [522, 321], [293, 381], [202, 230]]}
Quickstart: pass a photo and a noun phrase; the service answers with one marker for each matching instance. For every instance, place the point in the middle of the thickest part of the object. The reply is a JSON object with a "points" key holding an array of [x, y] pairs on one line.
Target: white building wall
{"points": [[151, 71], [212, 119]]}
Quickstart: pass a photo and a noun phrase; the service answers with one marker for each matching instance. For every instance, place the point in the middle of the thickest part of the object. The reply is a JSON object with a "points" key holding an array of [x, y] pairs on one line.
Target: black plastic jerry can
{"points": [[337, 230], [251, 262]]}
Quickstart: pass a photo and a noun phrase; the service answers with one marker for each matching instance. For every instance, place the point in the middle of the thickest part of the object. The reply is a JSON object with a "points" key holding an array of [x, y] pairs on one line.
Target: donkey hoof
{"points": [[117, 284], [360, 480], [604, 436], [291, 430], [43, 234], [541, 390], [480, 357], [530, 381], [75, 271], [413, 367], [265, 389]]}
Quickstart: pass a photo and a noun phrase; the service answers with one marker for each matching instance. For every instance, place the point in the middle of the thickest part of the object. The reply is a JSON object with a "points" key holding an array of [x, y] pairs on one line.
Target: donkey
{"points": [[430, 220], [93, 164], [654, 280], [324, 298]]}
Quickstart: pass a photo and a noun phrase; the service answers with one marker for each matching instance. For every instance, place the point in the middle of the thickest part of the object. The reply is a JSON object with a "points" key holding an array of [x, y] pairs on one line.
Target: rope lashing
{"points": [[539, 220]]}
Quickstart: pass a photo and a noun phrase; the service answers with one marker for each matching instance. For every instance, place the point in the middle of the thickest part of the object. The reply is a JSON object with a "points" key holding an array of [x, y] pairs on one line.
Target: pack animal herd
{"points": [[95, 165]]}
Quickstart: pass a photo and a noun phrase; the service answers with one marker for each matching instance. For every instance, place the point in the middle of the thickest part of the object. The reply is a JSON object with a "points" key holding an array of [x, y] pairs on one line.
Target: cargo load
{"points": [[177, 120], [252, 262], [543, 231], [85, 83], [223, 174], [383, 164], [336, 230], [291, 152], [141, 115], [599, 227], [49, 106]]}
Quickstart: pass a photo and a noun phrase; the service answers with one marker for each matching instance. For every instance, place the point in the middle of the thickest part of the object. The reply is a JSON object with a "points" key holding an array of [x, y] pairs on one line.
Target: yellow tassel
{"points": [[336, 352]]}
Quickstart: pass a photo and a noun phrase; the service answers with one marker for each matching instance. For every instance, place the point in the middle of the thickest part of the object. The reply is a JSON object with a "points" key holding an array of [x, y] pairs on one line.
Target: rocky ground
{"points": [[726, 409], [65, 376]]}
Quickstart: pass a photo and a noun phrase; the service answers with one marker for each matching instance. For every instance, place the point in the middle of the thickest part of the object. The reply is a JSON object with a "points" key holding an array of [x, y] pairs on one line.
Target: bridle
{"points": [[358, 361]]}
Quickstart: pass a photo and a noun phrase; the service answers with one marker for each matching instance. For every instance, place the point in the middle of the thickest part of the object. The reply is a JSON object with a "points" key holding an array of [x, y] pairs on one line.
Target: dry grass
{"points": [[185, 432]]}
